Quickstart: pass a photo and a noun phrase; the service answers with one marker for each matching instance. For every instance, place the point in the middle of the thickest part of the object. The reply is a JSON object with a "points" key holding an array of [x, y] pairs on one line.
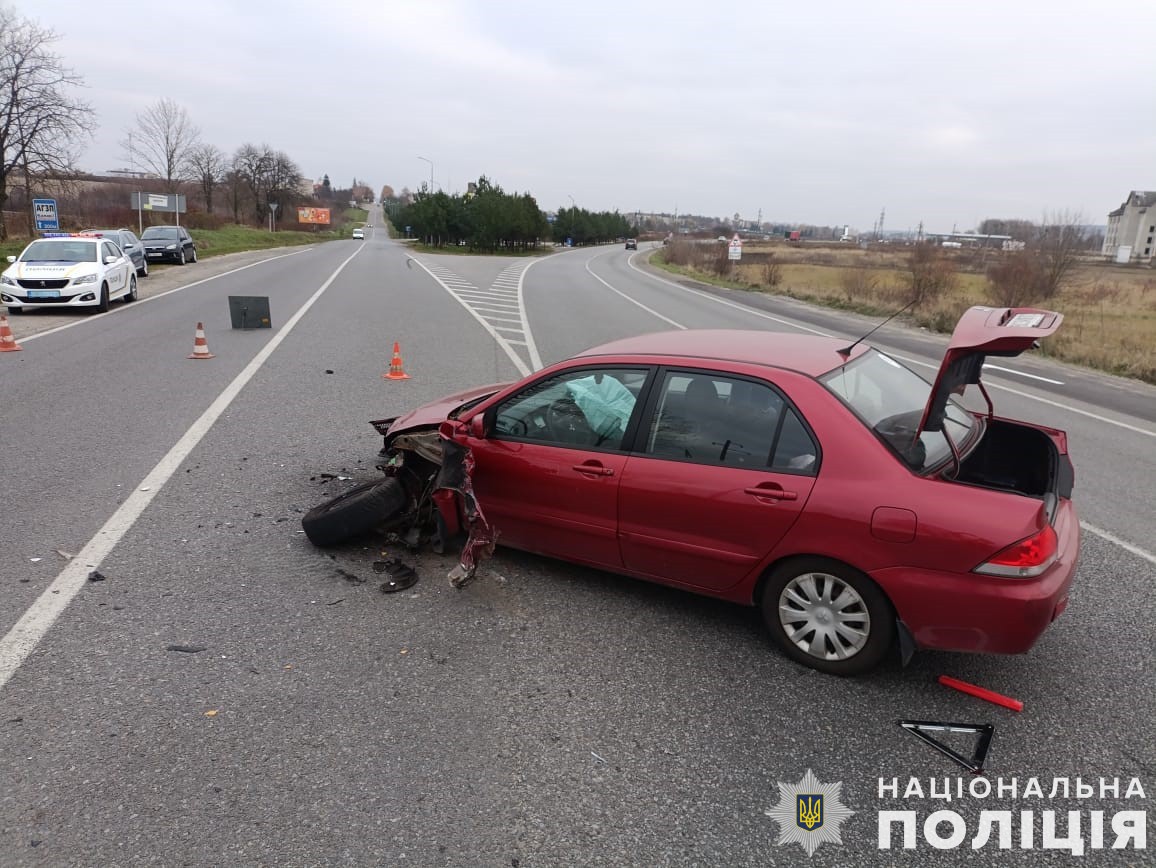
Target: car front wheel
{"points": [[828, 616], [181, 257], [194, 254], [355, 512], [143, 271], [102, 306]]}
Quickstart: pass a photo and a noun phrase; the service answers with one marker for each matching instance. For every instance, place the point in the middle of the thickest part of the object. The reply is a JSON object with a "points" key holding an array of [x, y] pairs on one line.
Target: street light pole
{"points": [[430, 173]]}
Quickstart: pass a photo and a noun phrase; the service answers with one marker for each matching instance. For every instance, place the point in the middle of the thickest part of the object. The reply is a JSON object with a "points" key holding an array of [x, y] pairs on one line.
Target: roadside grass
{"points": [[217, 242], [235, 239], [1109, 310]]}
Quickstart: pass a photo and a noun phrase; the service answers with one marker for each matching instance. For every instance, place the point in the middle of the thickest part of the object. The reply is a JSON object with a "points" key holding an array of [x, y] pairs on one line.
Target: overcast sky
{"points": [[814, 112]]}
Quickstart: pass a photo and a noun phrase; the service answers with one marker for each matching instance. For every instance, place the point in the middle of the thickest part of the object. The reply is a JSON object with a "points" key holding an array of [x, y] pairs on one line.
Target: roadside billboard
{"points": [[173, 203], [313, 215]]}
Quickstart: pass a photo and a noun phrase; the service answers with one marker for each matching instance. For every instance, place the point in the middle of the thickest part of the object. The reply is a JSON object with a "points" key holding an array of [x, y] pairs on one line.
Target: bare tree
{"points": [[164, 138], [207, 164], [1016, 279], [931, 274], [41, 127], [1060, 241], [269, 176]]}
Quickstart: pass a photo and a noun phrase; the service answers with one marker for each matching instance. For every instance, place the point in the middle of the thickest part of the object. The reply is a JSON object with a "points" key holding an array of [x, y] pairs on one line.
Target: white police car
{"points": [[63, 270]]}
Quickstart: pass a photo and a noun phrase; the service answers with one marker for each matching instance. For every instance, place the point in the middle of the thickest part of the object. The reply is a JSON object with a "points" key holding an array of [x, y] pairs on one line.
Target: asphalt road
{"points": [[545, 715]]}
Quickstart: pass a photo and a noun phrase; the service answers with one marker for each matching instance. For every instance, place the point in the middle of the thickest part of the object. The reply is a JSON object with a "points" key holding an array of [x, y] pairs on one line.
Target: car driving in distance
{"points": [[169, 243], [358, 234], [631, 243], [68, 270]]}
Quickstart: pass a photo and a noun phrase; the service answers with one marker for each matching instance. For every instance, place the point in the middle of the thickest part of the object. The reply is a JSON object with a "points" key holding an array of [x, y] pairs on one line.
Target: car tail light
{"points": [[1025, 559]]}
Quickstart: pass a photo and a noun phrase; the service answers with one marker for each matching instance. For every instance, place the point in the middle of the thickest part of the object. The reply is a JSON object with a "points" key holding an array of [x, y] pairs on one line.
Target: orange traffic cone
{"points": [[7, 341], [396, 371], [200, 345]]}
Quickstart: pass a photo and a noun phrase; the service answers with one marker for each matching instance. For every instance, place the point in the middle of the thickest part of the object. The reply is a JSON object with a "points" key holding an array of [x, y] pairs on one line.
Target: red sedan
{"points": [[856, 504]]}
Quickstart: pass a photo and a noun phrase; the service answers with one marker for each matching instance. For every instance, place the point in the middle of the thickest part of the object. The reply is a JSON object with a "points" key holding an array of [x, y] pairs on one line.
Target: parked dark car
{"points": [[127, 241], [856, 504], [169, 243]]}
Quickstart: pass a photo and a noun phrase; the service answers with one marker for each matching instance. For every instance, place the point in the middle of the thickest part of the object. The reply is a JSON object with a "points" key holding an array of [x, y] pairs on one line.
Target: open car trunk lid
{"points": [[983, 332]]}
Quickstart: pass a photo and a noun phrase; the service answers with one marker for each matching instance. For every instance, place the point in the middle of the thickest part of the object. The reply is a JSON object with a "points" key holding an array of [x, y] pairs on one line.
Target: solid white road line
{"points": [[1124, 544], [1022, 374], [633, 301], [140, 301], [535, 361], [40, 616]]}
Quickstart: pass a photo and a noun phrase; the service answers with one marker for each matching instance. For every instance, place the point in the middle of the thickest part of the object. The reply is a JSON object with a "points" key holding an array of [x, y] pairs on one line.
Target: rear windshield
{"points": [[159, 232], [62, 250], [890, 399]]}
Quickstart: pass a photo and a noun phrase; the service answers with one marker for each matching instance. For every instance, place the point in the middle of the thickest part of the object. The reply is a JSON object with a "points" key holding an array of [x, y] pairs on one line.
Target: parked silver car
{"points": [[127, 241]]}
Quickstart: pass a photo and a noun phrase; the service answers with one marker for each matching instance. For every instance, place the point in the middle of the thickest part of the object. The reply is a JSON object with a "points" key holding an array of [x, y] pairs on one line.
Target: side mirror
{"points": [[11, 258], [110, 259], [478, 426]]}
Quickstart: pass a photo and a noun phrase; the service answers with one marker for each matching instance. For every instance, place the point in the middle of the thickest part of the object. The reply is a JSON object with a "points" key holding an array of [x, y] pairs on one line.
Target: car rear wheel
{"points": [[355, 512], [102, 307], [828, 616], [131, 295]]}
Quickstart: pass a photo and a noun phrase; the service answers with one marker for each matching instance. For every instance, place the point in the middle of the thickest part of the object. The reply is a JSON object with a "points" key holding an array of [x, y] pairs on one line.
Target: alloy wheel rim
{"points": [[824, 616]]}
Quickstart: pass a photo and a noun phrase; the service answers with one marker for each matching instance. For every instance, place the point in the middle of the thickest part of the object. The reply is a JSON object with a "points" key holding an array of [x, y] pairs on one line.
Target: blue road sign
{"points": [[44, 212]]}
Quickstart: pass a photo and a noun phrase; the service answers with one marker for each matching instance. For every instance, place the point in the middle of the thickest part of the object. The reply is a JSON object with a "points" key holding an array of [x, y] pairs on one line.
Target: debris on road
{"points": [[400, 575], [66, 555], [187, 649], [96, 576]]}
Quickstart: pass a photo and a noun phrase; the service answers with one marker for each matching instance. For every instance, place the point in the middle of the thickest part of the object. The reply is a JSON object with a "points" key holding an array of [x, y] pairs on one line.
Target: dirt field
{"points": [[1110, 310]]}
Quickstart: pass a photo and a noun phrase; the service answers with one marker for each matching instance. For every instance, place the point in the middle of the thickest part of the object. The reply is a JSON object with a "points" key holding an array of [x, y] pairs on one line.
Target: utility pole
{"points": [[879, 230]]}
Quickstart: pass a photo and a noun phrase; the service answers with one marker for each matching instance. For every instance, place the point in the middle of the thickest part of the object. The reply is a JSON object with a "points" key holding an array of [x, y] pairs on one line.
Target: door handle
{"points": [[593, 470], [772, 493]]}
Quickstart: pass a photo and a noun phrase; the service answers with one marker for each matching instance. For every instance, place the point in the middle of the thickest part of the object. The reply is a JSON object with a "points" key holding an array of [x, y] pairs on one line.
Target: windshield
{"points": [[156, 232], [890, 400], [59, 251]]}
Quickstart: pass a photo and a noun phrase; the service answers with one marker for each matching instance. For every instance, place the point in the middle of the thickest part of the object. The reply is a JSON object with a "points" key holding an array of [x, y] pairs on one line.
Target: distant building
{"points": [[1132, 228]]}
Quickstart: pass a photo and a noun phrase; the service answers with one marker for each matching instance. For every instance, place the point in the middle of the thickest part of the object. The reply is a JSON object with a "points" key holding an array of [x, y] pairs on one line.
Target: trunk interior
{"points": [[1015, 458]]}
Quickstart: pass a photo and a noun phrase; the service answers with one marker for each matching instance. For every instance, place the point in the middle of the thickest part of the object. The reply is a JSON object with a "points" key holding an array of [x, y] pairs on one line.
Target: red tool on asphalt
{"points": [[981, 693]]}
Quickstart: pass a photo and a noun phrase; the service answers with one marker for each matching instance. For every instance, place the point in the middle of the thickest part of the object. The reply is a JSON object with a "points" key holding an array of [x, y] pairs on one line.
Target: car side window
{"points": [[589, 408], [733, 422], [107, 249], [795, 449]]}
